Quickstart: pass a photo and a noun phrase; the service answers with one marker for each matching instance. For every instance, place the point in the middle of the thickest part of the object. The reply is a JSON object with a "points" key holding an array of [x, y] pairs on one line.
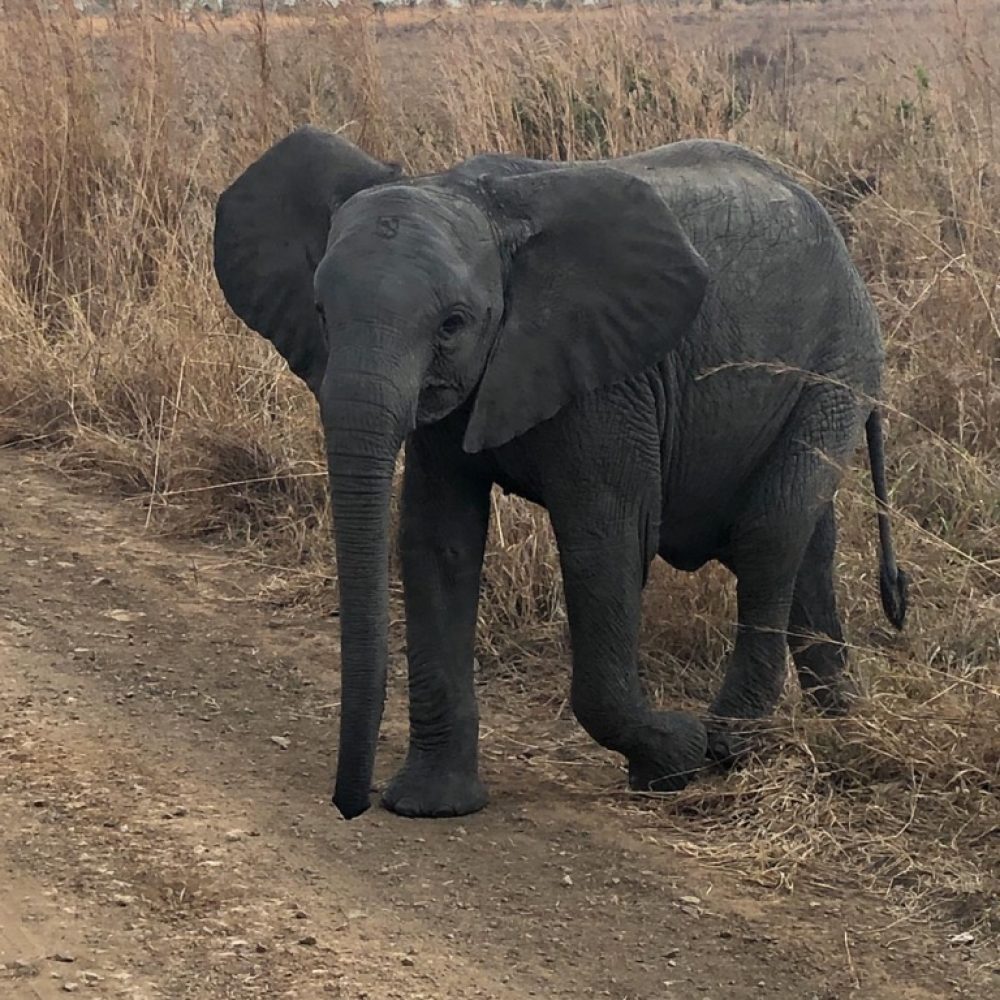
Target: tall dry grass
{"points": [[119, 354]]}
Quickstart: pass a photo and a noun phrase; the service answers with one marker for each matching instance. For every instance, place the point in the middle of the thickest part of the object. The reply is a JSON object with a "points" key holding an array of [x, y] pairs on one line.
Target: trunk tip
{"points": [[351, 805]]}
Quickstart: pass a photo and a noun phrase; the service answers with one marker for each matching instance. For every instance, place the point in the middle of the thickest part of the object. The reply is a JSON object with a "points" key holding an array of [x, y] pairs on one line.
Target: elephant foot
{"points": [[728, 745], [434, 789], [834, 699], [672, 750], [731, 739]]}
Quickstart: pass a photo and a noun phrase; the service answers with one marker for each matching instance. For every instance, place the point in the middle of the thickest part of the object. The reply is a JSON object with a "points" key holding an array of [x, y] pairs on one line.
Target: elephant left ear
{"points": [[271, 228], [602, 283]]}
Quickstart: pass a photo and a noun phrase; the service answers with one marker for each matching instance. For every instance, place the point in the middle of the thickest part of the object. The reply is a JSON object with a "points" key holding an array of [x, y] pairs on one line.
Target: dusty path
{"points": [[153, 831]]}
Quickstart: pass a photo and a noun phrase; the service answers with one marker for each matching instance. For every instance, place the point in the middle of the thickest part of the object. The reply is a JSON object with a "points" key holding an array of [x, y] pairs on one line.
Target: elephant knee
{"points": [[424, 551]]}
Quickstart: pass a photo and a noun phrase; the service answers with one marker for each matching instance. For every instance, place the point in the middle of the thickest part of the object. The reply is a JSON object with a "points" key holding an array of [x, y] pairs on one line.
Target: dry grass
{"points": [[118, 352]]}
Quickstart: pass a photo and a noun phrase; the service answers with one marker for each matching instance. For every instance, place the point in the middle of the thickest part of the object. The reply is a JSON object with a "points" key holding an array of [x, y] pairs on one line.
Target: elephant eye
{"points": [[453, 323], [321, 312]]}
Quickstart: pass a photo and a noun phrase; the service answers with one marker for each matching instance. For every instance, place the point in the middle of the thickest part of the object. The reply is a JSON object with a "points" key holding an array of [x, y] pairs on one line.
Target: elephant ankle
{"points": [[834, 698], [451, 746], [747, 701], [667, 751], [728, 746]]}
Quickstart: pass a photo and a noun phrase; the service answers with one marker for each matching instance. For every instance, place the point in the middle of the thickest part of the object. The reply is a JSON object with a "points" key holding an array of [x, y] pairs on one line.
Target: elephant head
{"points": [[400, 300]]}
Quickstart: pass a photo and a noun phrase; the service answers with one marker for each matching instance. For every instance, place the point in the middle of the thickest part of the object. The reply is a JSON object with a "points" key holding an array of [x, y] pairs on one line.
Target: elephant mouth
{"points": [[437, 399]]}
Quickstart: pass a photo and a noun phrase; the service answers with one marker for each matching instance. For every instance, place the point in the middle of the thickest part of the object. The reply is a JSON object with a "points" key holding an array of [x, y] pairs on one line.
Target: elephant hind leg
{"points": [[769, 545], [755, 670], [815, 634]]}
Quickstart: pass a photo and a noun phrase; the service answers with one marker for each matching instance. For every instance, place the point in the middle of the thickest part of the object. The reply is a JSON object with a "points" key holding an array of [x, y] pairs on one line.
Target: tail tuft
{"points": [[894, 588], [893, 582]]}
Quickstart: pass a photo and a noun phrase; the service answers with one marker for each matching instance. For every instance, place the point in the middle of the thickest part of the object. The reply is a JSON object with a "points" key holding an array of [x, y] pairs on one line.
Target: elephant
{"points": [[671, 352]]}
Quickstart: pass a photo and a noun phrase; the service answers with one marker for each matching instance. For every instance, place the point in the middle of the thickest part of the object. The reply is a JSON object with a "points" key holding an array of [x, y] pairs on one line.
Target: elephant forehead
{"points": [[385, 214], [402, 282]]}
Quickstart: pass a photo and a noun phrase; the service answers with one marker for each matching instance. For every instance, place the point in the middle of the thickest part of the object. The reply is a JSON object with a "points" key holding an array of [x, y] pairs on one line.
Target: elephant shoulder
{"points": [[721, 188]]}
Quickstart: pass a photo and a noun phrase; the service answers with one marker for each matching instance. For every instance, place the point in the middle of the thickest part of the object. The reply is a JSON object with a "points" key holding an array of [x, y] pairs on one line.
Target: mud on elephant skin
{"points": [[671, 352]]}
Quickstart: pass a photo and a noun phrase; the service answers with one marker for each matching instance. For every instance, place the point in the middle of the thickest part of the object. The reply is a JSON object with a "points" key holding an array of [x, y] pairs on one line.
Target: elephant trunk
{"points": [[366, 421]]}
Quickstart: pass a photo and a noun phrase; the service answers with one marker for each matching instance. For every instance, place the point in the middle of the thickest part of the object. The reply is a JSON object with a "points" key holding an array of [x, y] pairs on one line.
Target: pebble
{"points": [[309, 939], [62, 956]]}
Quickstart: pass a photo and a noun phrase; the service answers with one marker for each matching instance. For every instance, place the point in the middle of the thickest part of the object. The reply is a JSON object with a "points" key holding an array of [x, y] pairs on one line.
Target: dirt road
{"points": [[166, 748]]}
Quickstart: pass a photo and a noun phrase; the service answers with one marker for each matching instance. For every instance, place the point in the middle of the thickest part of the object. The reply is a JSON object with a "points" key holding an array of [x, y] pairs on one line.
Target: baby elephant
{"points": [[671, 352]]}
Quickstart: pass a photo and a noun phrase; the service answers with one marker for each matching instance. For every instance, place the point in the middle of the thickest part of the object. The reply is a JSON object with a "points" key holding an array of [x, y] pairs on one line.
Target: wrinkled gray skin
{"points": [[671, 352]]}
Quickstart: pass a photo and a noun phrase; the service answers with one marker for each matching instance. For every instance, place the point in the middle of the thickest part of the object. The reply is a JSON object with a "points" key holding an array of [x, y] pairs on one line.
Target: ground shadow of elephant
{"points": [[671, 352]]}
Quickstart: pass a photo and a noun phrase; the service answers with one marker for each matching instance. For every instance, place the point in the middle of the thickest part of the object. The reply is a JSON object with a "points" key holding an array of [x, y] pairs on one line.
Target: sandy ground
{"points": [[157, 841]]}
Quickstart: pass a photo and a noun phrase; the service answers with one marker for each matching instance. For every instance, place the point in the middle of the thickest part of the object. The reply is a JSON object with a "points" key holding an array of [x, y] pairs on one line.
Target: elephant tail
{"points": [[893, 582]]}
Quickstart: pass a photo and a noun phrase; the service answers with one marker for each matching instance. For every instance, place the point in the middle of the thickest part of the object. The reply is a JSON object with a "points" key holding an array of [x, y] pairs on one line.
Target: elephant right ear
{"points": [[271, 227]]}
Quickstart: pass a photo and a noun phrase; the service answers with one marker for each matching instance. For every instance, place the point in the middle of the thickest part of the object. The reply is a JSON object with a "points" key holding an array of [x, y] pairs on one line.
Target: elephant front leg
{"points": [[444, 521], [603, 586]]}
